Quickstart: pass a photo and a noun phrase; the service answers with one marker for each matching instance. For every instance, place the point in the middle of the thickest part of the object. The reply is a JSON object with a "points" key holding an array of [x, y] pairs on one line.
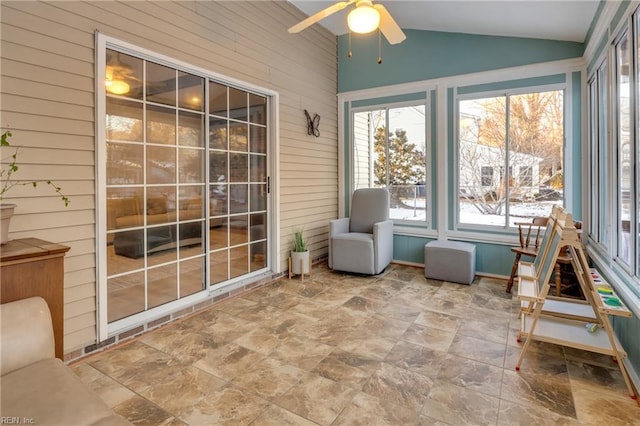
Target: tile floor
{"points": [[339, 349]]}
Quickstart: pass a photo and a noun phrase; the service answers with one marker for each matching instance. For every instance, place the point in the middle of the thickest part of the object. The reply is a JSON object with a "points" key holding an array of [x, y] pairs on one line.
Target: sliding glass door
{"points": [[238, 182], [186, 184]]}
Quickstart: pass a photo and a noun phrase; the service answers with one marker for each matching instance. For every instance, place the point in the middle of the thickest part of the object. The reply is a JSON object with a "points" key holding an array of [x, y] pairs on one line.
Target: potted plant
{"points": [[299, 255], [7, 182]]}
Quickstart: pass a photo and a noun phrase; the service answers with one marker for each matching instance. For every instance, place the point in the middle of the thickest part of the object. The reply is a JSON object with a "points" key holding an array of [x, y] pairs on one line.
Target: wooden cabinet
{"points": [[32, 267]]}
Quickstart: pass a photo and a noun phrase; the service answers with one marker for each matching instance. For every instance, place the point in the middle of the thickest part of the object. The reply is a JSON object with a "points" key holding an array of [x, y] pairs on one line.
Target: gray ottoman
{"points": [[450, 261]]}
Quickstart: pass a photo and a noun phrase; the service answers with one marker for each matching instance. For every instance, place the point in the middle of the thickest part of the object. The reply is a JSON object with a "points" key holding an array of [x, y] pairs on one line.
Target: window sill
{"points": [[612, 272]]}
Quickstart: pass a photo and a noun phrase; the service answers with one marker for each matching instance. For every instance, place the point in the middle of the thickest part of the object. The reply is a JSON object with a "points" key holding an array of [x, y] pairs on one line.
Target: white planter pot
{"points": [[300, 262], [6, 212]]}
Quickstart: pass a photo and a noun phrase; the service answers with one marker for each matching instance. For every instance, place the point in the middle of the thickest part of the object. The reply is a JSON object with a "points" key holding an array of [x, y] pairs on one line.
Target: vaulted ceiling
{"points": [[567, 20]]}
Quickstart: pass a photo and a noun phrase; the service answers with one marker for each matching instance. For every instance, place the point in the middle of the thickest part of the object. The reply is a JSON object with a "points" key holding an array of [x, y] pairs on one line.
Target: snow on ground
{"points": [[469, 214]]}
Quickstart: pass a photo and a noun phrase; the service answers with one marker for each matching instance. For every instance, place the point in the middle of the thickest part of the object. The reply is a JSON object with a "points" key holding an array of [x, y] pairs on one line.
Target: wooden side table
{"points": [[32, 267]]}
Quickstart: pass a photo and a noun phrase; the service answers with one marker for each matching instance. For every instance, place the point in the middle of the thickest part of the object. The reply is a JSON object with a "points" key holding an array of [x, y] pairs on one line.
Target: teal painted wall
{"points": [[409, 248], [594, 21], [495, 259], [513, 84], [426, 55], [390, 99], [618, 16], [628, 330]]}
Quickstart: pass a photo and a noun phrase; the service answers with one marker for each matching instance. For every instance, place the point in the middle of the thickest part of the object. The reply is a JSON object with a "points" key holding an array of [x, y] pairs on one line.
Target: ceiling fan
{"points": [[363, 18], [118, 74]]}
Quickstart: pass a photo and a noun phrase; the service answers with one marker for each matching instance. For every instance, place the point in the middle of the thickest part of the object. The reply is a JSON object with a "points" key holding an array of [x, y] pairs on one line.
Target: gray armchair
{"points": [[363, 243]]}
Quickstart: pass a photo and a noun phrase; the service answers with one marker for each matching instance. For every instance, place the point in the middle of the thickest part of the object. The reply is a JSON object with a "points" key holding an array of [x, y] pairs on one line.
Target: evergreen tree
{"points": [[406, 164]]}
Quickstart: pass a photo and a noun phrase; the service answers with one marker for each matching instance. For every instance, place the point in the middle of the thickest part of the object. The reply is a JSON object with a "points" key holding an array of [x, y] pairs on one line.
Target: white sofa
{"points": [[36, 387]]}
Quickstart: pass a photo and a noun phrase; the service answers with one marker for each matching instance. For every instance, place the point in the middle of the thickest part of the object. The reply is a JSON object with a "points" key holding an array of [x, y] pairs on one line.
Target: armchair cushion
{"points": [[368, 207], [353, 252]]}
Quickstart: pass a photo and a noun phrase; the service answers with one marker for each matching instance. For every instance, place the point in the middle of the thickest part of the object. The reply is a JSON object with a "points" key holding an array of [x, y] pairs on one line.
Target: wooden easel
{"points": [[571, 323]]}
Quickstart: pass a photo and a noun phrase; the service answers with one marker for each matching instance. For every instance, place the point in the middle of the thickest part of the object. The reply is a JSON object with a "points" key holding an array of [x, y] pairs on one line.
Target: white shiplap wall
{"points": [[47, 99]]}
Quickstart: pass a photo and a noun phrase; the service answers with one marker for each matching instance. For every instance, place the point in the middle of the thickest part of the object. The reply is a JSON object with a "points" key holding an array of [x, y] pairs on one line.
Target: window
{"points": [[625, 184], [614, 136], [486, 175], [389, 150], [599, 157], [521, 136], [525, 177]]}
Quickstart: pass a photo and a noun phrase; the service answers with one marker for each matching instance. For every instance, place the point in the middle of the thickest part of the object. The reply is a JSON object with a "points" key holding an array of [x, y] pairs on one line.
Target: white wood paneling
{"points": [[47, 99]]}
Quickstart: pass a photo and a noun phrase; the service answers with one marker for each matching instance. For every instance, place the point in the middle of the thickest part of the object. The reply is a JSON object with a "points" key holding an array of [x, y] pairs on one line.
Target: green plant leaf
{"points": [[12, 167]]}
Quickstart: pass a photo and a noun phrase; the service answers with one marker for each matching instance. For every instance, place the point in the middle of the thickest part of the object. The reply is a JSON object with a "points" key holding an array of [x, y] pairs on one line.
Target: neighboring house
{"points": [[482, 167], [482, 170]]}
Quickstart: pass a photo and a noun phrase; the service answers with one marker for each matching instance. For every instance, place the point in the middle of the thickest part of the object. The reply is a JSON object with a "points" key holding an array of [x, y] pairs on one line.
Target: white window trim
{"points": [[626, 27], [426, 102]]}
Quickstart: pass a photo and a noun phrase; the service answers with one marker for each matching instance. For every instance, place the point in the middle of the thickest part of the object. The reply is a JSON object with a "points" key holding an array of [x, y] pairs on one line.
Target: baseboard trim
{"points": [[494, 276], [405, 263], [480, 274]]}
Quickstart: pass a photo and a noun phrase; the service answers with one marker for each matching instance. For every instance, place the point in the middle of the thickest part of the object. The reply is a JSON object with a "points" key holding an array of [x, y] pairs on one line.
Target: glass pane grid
{"points": [[167, 120]]}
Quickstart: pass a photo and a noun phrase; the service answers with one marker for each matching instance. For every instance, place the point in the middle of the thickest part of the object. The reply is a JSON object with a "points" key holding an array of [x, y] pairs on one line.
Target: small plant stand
{"points": [[291, 273]]}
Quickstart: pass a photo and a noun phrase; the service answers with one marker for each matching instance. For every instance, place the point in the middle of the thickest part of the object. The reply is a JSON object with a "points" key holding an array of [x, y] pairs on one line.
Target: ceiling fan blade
{"points": [[392, 32], [319, 16]]}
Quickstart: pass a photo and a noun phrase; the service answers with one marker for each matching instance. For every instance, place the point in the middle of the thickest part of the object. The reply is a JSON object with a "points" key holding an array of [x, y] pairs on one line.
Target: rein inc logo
{"points": [[17, 420]]}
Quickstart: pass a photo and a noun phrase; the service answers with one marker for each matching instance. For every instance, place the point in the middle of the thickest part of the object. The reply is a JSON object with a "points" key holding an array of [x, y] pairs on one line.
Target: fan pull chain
{"points": [[349, 54], [379, 46]]}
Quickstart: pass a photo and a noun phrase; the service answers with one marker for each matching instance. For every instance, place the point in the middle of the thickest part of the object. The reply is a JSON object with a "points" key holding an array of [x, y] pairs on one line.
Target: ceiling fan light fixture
{"points": [[114, 79], [363, 19], [117, 87]]}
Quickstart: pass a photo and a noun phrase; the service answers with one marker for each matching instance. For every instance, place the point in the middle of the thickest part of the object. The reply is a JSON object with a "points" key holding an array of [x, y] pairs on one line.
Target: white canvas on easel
{"points": [[563, 322]]}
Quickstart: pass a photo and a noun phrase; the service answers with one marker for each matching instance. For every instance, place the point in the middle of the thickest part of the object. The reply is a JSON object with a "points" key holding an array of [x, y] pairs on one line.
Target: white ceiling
{"points": [[567, 20]]}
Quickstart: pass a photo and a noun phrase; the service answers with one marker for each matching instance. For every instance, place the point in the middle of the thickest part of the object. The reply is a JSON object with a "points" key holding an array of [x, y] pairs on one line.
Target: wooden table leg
{"points": [[513, 272]]}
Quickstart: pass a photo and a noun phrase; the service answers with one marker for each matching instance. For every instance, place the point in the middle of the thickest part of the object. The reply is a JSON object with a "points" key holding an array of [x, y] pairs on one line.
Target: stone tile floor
{"points": [[340, 349]]}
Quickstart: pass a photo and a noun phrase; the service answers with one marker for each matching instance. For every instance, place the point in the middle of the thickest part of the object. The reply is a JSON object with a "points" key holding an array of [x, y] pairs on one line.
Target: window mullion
{"points": [[507, 159], [206, 196], [386, 147], [144, 180]]}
